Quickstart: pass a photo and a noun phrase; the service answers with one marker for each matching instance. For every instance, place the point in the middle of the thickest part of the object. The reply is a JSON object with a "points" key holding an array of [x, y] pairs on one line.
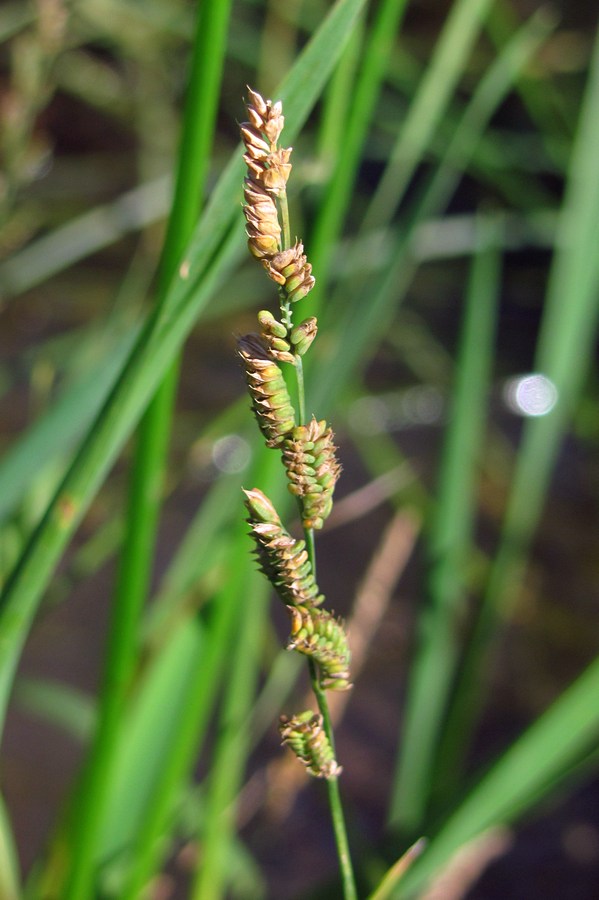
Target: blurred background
{"points": [[430, 196]]}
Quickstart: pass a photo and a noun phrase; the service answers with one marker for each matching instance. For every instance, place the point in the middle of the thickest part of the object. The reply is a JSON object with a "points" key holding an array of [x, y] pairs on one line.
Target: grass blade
{"points": [[360, 106], [461, 28], [367, 315], [563, 355], [450, 537], [145, 498], [555, 742], [54, 433], [84, 235], [9, 865]]}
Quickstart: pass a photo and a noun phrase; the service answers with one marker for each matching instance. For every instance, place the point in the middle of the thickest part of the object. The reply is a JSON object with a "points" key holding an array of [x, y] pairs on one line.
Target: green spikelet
{"points": [[270, 398], [274, 335], [312, 468], [316, 633], [303, 335], [305, 735], [283, 559]]}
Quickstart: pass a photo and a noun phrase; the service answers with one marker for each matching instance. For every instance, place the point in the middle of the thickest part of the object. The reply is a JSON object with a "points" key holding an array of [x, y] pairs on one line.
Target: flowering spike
{"points": [[318, 634], [269, 168], [312, 468], [270, 399], [282, 558], [305, 735]]}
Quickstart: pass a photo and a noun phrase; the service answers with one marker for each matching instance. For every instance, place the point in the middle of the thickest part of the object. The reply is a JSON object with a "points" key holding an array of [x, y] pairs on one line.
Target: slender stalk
{"points": [[335, 805], [147, 470], [284, 211], [301, 391], [121, 650], [233, 741]]}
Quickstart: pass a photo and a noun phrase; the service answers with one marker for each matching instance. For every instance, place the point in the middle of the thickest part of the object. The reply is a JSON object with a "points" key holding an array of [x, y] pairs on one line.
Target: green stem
{"points": [[122, 638], [335, 805], [145, 497], [337, 817], [301, 392], [284, 210], [311, 548], [345, 863], [232, 745]]}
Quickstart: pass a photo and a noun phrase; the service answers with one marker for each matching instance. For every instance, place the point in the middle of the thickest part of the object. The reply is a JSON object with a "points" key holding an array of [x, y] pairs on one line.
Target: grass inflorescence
{"points": [[433, 232]]}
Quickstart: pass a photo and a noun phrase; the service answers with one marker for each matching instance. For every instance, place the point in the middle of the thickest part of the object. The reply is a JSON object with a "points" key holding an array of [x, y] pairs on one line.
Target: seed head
{"points": [[282, 558], [305, 735], [309, 457], [318, 634], [270, 399]]}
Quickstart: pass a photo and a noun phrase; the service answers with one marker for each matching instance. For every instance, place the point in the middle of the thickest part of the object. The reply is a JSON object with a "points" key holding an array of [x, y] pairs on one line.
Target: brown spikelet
{"points": [[265, 116], [292, 271], [270, 399], [262, 221], [267, 163], [309, 456]]}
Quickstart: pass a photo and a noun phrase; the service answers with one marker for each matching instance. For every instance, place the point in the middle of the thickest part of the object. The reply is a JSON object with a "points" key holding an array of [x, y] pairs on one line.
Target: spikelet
{"points": [[265, 116], [302, 335], [274, 335], [318, 634], [292, 271], [262, 221], [313, 469], [270, 399], [268, 165], [283, 559], [305, 735]]}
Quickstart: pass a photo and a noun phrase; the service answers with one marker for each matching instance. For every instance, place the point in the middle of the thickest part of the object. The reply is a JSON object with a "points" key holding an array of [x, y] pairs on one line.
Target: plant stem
{"points": [[284, 210], [337, 817], [122, 640], [336, 807], [145, 498], [301, 393]]}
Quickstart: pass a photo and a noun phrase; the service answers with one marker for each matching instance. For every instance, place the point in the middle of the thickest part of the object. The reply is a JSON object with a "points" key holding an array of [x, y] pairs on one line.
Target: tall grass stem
{"points": [[148, 466]]}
